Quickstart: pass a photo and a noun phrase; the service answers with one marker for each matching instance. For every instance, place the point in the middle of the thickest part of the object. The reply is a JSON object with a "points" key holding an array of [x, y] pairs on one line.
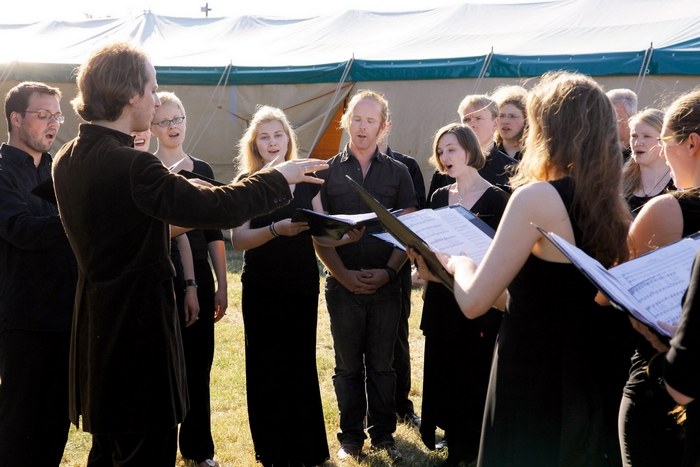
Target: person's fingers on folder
{"points": [[355, 234], [199, 181], [297, 170], [422, 268], [288, 228]]}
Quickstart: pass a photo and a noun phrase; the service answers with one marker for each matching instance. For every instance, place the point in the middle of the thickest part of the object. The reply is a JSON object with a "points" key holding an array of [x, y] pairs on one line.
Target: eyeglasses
{"points": [[45, 115], [678, 137], [167, 123]]}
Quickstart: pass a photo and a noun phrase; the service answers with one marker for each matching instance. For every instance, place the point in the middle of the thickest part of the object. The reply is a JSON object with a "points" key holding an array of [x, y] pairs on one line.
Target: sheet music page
{"points": [[447, 231], [659, 280]]}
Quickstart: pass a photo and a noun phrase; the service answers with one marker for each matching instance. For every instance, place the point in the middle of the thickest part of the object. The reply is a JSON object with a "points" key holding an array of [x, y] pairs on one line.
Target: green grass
{"points": [[234, 447]]}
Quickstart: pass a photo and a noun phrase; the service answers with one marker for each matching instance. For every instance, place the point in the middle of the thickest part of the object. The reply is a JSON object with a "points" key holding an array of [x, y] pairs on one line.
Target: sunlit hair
{"points": [[370, 95], [477, 102], [249, 158], [631, 172], [17, 98], [626, 97], [111, 76], [467, 140], [167, 97], [515, 96], [683, 116], [573, 132]]}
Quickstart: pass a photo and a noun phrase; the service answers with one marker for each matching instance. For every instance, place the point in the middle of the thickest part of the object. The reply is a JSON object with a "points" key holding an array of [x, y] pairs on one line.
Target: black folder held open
{"points": [[469, 227]]}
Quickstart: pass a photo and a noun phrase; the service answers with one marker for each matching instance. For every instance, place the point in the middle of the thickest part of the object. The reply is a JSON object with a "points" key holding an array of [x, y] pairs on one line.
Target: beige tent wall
{"points": [[216, 116]]}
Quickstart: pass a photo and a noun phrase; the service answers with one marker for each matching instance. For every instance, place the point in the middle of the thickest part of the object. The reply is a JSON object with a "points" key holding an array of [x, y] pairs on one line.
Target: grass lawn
{"points": [[234, 447]]}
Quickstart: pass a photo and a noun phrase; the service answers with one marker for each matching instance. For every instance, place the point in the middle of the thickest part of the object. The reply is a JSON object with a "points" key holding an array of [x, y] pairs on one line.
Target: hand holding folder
{"points": [[460, 229]]}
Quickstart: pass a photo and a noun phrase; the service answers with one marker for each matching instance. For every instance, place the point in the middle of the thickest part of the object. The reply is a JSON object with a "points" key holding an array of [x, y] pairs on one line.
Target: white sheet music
{"points": [[445, 230], [650, 287], [658, 281]]}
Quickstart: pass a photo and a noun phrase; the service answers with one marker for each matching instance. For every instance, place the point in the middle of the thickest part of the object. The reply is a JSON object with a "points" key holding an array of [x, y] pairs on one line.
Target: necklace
{"points": [[647, 194], [460, 198]]}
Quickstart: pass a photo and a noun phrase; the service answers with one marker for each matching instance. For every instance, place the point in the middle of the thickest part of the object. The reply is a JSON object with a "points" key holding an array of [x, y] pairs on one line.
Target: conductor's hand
{"points": [[297, 170], [200, 182], [288, 228]]}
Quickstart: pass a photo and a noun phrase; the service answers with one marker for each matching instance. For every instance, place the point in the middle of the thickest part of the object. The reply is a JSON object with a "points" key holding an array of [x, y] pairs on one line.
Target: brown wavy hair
{"points": [[573, 132]]}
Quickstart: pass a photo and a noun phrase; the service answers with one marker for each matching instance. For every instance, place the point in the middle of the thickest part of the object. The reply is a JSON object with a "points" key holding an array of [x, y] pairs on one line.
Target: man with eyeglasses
{"points": [[37, 285]]}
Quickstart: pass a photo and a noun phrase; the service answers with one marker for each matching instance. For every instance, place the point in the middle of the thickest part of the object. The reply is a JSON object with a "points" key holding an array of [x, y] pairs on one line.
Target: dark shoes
{"points": [[409, 418], [391, 451]]}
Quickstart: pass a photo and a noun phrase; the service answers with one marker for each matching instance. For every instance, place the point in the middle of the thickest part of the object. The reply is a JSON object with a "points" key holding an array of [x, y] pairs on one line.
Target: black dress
{"points": [[543, 408], [650, 436], [458, 353], [280, 306]]}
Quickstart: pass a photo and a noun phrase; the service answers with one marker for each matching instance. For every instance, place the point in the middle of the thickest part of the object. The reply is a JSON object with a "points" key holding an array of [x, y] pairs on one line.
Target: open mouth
{"points": [[139, 142]]}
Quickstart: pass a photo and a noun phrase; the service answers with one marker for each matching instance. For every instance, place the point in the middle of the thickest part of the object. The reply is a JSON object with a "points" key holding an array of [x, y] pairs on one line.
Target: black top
{"points": [[387, 180], [37, 267], [414, 171], [442, 316], [287, 264], [636, 203]]}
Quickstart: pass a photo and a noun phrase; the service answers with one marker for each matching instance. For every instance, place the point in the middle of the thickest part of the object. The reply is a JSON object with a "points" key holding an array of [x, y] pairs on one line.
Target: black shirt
{"points": [[414, 171], [387, 180], [37, 267]]}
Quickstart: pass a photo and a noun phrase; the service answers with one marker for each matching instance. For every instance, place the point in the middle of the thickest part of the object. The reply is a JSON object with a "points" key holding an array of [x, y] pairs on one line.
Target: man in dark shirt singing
{"points": [[37, 284]]}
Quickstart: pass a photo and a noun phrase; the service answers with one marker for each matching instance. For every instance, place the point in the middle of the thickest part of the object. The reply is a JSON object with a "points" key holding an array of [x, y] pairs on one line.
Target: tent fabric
{"points": [[597, 37]]}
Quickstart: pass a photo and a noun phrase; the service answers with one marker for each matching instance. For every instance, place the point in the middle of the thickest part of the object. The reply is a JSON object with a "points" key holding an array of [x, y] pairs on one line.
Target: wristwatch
{"points": [[190, 283]]}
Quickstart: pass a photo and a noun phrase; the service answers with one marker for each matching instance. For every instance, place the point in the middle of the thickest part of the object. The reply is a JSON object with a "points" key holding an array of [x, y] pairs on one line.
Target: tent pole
{"points": [[331, 105], [484, 69], [201, 125], [644, 69]]}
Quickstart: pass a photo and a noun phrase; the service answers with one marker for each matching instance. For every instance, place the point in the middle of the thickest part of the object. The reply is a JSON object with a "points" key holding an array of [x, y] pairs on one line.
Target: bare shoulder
{"points": [[662, 208], [536, 195]]}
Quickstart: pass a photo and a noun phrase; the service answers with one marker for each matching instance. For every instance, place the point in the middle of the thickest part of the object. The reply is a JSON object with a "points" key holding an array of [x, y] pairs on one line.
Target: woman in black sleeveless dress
{"points": [[543, 407], [649, 434]]}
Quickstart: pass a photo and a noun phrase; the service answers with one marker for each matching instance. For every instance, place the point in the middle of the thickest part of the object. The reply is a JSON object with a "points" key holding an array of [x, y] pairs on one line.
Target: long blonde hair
{"points": [[249, 158], [573, 132], [631, 173]]}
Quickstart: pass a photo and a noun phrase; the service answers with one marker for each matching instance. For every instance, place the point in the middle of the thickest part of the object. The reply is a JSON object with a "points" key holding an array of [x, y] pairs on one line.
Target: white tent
{"points": [[424, 62]]}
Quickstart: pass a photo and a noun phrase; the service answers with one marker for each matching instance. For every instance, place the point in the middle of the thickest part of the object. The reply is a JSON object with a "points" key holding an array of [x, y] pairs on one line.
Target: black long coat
{"points": [[127, 369]]}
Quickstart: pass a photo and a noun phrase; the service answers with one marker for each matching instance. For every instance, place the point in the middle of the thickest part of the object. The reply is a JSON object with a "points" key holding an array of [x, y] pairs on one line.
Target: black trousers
{"points": [[402, 355], [33, 397], [196, 441], [133, 449]]}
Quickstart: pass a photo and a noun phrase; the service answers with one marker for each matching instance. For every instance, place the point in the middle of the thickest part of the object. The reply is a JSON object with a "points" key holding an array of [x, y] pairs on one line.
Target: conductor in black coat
{"points": [[127, 377]]}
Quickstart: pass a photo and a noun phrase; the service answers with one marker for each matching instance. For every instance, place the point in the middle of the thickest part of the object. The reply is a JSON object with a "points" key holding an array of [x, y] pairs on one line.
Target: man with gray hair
{"points": [[625, 103]]}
